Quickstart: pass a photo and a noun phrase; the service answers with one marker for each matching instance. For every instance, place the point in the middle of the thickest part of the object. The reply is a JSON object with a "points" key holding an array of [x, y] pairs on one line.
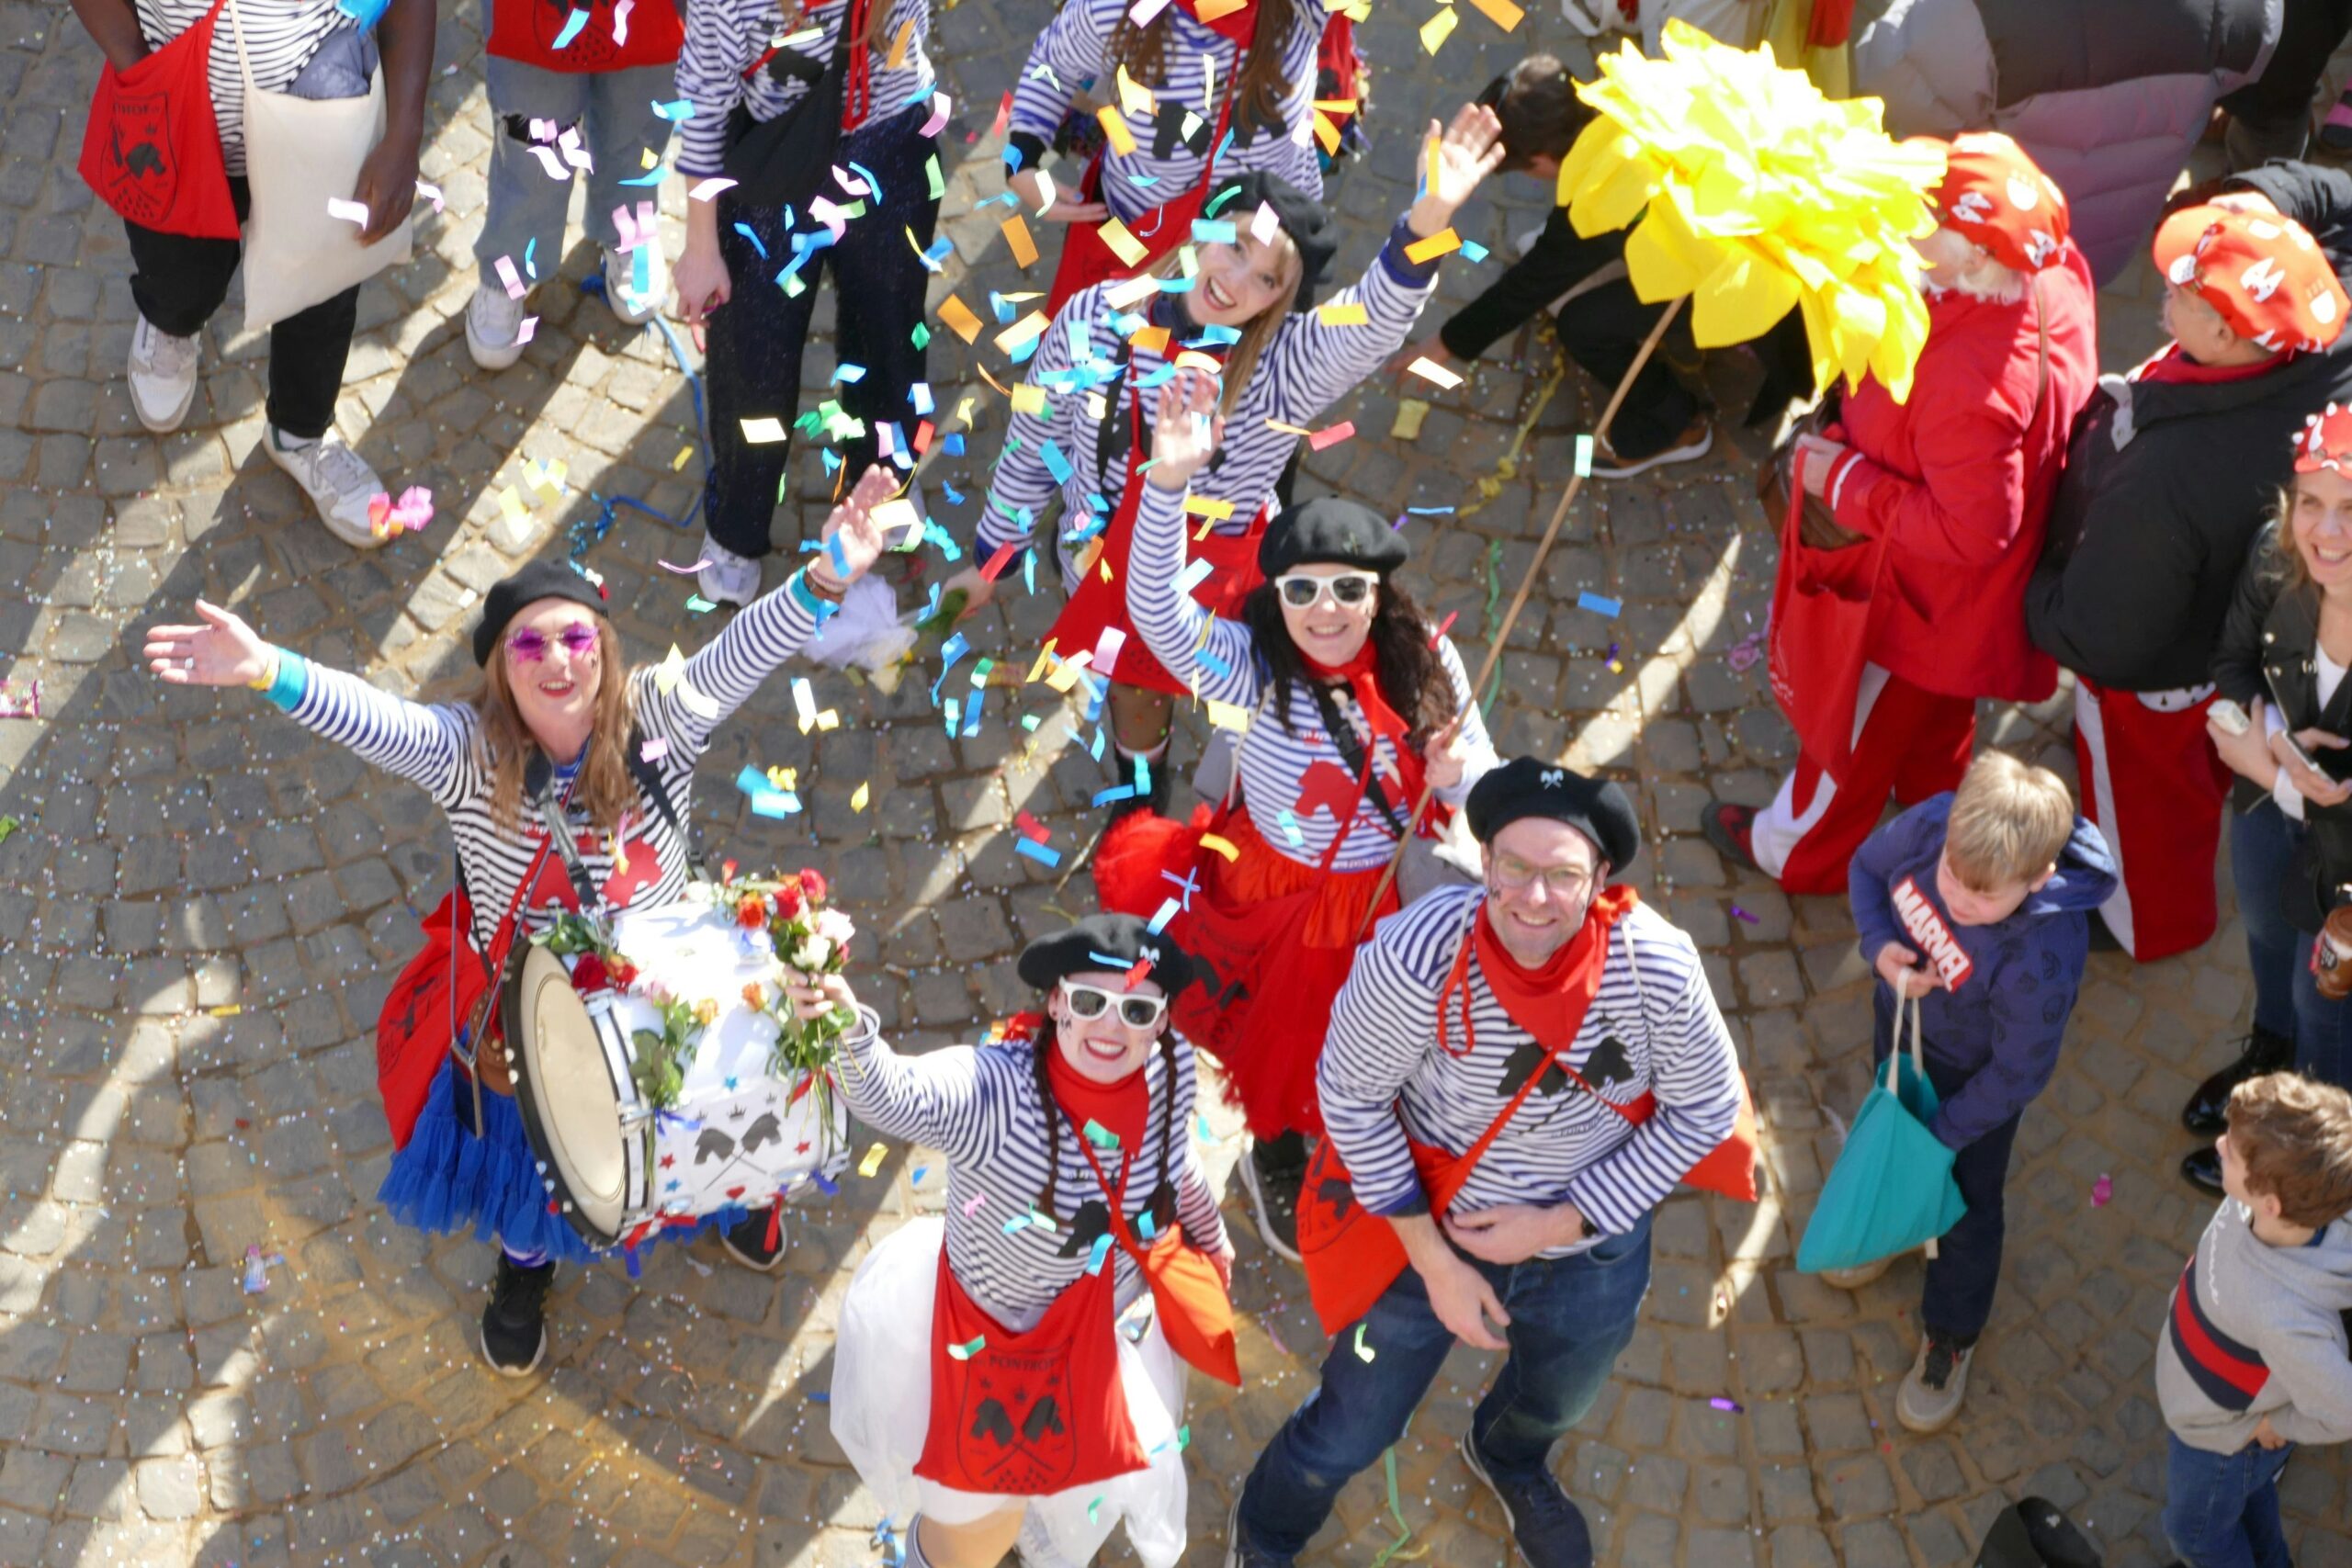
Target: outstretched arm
{"points": [[1217, 657]]}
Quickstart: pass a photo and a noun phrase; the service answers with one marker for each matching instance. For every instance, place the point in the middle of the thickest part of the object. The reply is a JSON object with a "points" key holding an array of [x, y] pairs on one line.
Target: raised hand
{"points": [[223, 651], [1032, 185], [852, 523], [1467, 152], [1186, 431]]}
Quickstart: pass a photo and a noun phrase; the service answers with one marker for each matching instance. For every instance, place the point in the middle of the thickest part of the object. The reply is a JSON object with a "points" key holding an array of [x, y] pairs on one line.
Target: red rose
{"points": [[623, 972], [787, 899], [726, 871], [812, 884], [751, 912], [589, 975]]}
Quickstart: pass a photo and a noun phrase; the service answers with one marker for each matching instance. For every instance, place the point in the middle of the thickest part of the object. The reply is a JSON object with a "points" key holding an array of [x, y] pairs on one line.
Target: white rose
{"points": [[811, 956], [835, 927]]}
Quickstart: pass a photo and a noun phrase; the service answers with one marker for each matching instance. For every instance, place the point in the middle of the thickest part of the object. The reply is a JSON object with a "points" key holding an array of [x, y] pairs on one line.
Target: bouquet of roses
{"points": [[810, 937], [659, 1057]]}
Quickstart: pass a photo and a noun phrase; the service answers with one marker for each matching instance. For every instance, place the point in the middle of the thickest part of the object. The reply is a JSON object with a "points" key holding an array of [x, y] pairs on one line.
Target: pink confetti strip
{"points": [[574, 153], [633, 230], [432, 193], [509, 277], [707, 190], [654, 749], [941, 106], [684, 570], [524, 332], [620, 22]]}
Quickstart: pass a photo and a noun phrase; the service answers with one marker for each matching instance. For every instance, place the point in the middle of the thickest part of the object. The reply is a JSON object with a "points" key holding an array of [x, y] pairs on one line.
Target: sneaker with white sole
{"points": [[1937, 1382], [620, 284], [494, 326], [1688, 446], [727, 578], [162, 376], [336, 478], [515, 1324]]}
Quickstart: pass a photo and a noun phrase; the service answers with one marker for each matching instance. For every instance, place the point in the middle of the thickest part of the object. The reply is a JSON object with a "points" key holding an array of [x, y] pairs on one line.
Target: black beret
{"points": [[1525, 787], [1115, 942], [1342, 533], [510, 596], [1307, 220]]}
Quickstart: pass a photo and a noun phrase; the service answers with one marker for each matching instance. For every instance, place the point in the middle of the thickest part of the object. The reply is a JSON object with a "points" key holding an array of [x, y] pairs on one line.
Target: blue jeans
{"points": [[1569, 1319], [2262, 856], [613, 112], [2221, 1510]]}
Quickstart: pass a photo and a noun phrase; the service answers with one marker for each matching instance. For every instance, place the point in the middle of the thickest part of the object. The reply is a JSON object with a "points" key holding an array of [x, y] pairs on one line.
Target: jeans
{"points": [[2221, 1510], [1957, 1297], [613, 112], [1569, 1319], [753, 366], [179, 281], [2262, 856]]}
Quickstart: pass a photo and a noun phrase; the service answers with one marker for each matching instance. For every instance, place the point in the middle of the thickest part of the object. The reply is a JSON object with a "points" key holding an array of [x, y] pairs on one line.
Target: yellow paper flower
{"points": [[1753, 194]]}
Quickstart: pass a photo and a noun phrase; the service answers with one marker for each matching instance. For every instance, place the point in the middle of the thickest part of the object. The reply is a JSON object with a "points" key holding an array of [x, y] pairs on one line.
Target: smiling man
{"points": [[1551, 1045]]}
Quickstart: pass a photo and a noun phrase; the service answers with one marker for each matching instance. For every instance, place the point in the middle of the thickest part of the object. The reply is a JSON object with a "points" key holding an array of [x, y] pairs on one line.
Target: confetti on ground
{"points": [[1410, 412], [1428, 369], [1739, 914], [2102, 1190], [1438, 28], [1733, 1405], [19, 699], [1600, 603]]}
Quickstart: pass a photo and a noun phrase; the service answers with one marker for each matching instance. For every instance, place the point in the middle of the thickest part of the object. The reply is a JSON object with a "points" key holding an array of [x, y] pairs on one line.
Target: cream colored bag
{"points": [[299, 153]]}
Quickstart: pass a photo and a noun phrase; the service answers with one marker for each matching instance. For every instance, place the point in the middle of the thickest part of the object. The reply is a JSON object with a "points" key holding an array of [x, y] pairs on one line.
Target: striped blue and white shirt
{"points": [[978, 1105], [280, 38], [1307, 367], [1277, 751], [1199, 64], [438, 748], [1654, 1026], [723, 36]]}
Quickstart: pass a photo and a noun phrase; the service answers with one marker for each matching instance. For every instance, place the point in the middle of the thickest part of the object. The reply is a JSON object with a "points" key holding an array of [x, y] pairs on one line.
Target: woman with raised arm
{"points": [[1233, 307], [1347, 700], [615, 749], [999, 1376]]}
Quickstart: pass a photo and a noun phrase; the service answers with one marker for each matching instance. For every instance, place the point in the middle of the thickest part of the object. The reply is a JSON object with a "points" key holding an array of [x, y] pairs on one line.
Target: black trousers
{"points": [[1603, 329], [752, 361], [2274, 108], [179, 281]]}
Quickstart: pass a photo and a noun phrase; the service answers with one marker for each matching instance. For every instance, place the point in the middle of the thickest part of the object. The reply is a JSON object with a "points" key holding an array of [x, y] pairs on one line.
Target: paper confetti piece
{"points": [[1363, 1351], [1438, 28], [1098, 1254], [1218, 844], [873, 1160], [1733, 1405], [1114, 130], [571, 25], [1410, 412], [654, 750], [1428, 369], [1599, 604], [941, 106], [432, 193], [1125, 245], [958, 319], [1045, 856], [972, 1347], [1323, 440], [1584, 456], [1022, 332], [707, 190], [898, 54], [1443, 242], [1502, 13], [763, 431], [1348, 313], [1017, 240], [349, 211]]}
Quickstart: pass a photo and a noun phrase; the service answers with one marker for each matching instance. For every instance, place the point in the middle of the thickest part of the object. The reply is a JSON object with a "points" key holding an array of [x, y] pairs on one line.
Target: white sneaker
{"points": [[620, 288], [162, 376], [727, 578], [494, 326], [336, 478], [1937, 1382], [1689, 446]]}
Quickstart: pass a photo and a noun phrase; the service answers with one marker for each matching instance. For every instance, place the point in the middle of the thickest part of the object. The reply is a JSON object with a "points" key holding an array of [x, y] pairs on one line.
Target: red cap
{"points": [[2326, 442], [1996, 195], [2263, 272]]}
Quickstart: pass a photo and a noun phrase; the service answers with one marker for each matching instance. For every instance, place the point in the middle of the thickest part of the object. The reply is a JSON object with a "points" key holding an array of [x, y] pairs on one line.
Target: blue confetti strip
{"points": [[571, 25], [1037, 852], [1599, 604]]}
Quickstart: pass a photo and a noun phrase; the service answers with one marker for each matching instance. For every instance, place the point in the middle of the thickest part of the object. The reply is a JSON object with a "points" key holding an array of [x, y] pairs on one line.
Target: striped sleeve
{"points": [[1021, 487], [423, 744], [1316, 364], [1381, 1032], [722, 675], [1170, 621], [723, 36], [1693, 1073], [1477, 745], [939, 1100], [1071, 52]]}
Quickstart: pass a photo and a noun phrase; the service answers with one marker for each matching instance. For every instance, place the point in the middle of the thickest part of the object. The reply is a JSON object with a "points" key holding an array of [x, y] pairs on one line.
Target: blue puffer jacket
{"points": [[2106, 95], [2009, 989]]}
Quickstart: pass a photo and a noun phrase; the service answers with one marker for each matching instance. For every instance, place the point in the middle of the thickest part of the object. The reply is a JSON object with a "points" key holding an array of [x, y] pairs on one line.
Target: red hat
{"points": [[1993, 193], [2326, 442], [2263, 272]]}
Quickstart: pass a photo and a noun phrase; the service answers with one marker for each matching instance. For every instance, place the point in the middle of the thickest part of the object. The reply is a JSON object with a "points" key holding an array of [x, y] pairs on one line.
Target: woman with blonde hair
{"points": [[1231, 304], [558, 727]]}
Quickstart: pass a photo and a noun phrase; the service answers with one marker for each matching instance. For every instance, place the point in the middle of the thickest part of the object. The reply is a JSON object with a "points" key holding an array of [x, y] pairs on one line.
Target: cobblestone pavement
{"points": [[202, 909]]}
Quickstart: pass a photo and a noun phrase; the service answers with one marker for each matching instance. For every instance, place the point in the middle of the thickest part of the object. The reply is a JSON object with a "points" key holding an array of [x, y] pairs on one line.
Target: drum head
{"points": [[571, 1106]]}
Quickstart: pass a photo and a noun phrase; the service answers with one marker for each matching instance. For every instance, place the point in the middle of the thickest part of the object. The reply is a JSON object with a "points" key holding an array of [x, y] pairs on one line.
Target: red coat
{"points": [[1958, 481]]}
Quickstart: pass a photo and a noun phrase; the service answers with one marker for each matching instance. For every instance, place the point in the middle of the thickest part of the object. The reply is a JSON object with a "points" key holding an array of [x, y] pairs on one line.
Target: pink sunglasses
{"points": [[530, 645]]}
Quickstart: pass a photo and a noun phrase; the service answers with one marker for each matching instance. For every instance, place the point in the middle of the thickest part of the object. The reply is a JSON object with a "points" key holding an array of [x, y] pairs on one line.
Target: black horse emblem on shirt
{"points": [[1017, 1438], [1610, 1064], [1529, 1058]]}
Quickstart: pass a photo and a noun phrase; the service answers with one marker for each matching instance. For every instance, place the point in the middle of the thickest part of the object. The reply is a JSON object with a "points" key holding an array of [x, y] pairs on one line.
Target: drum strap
{"points": [[648, 779]]}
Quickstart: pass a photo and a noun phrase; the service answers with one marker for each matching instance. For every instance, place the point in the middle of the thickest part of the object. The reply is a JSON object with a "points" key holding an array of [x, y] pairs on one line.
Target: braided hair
{"points": [[1041, 1053]]}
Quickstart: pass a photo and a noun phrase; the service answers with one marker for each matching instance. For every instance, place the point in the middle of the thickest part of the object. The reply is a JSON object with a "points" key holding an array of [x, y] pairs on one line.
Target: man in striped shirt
{"points": [[1454, 1008]]}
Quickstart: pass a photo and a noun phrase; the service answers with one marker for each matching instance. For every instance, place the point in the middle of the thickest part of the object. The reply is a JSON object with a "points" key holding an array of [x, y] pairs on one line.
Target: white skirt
{"points": [[881, 1411]]}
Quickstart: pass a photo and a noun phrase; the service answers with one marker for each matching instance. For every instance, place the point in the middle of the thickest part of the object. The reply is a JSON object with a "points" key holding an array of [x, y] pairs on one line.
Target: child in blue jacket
{"points": [[1977, 902]]}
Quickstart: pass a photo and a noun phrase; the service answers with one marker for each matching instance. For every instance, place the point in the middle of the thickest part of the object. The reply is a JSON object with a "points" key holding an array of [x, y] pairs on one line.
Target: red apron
{"points": [[525, 30], [1087, 261], [1195, 1311], [1820, 635], [1095, 604], [1028, 1414], [152, 149]]}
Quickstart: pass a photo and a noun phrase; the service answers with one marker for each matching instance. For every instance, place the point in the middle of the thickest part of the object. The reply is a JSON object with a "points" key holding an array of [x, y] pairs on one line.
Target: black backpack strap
{"points": [[649, 779], [1343, 736]]}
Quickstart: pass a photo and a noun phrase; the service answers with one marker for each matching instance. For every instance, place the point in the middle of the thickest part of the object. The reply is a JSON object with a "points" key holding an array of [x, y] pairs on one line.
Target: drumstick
{"points": [[1501, 637]]}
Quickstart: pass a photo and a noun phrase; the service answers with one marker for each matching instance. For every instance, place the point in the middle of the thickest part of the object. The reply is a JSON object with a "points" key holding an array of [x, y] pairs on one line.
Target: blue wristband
{"points": [[293, 680]]}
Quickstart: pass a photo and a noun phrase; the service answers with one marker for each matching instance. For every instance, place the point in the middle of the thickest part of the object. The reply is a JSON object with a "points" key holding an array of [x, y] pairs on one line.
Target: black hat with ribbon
{"points": [[510, 596], [1112, 943], [1335, 532], [1527, 786]]}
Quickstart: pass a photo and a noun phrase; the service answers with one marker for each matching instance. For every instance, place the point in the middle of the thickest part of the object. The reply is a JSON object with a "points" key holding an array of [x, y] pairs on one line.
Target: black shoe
{"points": [[1273, 1173], [1239, 1553], [2203, 1169], [1549, 1529], [746, 1242], [515, 1324], [1732, 830], [2207, 1114], [1153, 797]]}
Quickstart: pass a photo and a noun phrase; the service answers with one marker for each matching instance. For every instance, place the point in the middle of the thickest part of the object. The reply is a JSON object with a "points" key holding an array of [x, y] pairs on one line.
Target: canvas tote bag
{"points": [[299, 153]]}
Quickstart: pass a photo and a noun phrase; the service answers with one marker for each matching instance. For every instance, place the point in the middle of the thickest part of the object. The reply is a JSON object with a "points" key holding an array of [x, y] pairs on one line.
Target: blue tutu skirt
{"points": [[447, 1180]]}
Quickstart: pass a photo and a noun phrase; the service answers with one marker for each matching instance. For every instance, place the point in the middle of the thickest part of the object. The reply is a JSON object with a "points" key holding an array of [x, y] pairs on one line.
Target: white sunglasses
{"points": [[1301, 589], [1090, 1002]]}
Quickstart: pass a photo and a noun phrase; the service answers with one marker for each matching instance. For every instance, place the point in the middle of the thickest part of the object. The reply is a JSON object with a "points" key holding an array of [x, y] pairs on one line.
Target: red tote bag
{"points": [[152, 149], [1820, 636]]}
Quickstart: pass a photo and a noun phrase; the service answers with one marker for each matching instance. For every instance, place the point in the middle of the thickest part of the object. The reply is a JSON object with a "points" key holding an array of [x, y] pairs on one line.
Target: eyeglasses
{"points": [[1560, 881], [1300, 589], [530, 645], [1134, 1012]]}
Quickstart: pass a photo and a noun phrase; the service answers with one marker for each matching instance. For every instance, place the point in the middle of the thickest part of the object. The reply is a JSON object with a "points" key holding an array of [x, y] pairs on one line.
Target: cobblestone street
{"points": [[201, 908]]}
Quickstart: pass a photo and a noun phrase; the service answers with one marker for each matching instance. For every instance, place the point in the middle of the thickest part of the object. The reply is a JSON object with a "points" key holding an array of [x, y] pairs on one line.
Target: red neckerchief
{"points": [[1362, 676], [1236, 27], [1548, 1003], [1123, 1107], [2169, 365]]}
